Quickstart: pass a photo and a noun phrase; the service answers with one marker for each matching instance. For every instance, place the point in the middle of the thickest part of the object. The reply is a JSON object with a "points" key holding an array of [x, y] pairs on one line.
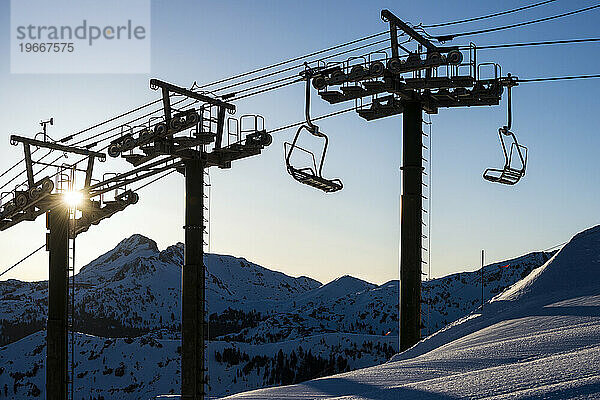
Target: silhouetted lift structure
{"points": [[409, 84], [36, 199], [194, 139], [189, 141]]}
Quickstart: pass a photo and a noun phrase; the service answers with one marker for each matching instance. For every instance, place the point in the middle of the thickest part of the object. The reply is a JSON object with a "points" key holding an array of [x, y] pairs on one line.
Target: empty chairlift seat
{"points": [[508, 174], [311, 176]]}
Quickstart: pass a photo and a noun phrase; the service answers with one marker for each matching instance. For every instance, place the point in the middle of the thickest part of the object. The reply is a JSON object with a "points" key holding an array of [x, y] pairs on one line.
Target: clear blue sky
{"points": [[260, 213]]}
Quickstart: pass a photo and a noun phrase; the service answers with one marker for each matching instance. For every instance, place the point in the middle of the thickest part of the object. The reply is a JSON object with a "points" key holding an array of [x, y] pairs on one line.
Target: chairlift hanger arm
{"points": [[509, 82], [307, 175], [508, 174], [509, 125], [314, 129], [307, 75]]}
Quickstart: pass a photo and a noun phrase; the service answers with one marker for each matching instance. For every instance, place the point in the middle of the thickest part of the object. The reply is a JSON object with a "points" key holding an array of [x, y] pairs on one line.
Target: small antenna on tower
{"points": [[44, 125]]}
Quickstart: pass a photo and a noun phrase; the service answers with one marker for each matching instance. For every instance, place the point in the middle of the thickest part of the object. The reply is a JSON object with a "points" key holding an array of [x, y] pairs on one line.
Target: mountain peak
{"points": [[351, 283], [340, 287], [129, 249], [136, 242], [173, 254]]}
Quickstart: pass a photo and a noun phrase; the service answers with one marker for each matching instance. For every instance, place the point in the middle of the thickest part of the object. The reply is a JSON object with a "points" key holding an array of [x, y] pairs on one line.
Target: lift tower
{"points": [[34, 200], [191, 141], [425, 79]]}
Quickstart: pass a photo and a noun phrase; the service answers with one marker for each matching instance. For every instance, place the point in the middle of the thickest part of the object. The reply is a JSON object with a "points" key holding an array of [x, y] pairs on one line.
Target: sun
{"points": [[73, 198]]}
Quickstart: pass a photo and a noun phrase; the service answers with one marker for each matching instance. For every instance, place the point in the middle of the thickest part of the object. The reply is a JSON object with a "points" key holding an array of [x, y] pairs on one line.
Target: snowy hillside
{"points": [[540, 339], [143, 367], [456, 295], [134, 290], [361, 307]]}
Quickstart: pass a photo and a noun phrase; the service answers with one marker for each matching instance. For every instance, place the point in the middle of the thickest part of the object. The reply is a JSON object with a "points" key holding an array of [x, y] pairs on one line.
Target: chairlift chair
{"points": [[508, 174], [311, 176]]}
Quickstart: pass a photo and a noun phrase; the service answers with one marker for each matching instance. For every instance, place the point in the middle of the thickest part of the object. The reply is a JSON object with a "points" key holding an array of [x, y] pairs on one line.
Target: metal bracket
{"points": [[220, 127], [37, 198], [14, 139], [396, 22], [167, 87]]}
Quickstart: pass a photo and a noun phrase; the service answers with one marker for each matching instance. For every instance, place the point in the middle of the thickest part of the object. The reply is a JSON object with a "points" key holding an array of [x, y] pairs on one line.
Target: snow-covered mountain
{"points": [[134, 290], [351, 305], [540, 339]]}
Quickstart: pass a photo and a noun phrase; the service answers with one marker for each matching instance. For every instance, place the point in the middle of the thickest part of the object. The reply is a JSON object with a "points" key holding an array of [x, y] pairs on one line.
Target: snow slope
{"points": [[134, 290], [540, 339]]}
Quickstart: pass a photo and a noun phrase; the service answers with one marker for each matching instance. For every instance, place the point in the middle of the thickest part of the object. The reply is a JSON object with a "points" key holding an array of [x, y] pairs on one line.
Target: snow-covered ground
{"points": [[267, 328], [540, 339]]}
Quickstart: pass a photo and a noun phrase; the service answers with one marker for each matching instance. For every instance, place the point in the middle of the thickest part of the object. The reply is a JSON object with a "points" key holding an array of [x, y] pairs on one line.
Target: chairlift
{"points": [[509, 174], [311, 175]]}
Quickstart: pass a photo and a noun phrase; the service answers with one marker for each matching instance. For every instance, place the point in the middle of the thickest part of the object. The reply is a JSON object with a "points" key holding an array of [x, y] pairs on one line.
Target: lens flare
{"points": [[73, 198]]}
